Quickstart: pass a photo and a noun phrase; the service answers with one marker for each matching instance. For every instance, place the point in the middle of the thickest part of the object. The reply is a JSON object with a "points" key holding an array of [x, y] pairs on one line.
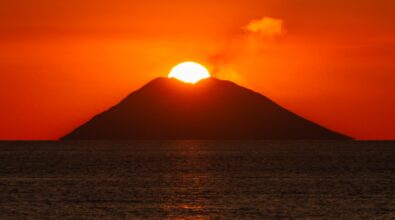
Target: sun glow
{"points": [[189, 72]]}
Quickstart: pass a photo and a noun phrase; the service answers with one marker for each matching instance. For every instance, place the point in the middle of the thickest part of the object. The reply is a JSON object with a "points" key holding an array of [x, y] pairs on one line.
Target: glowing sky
{"points": [[63, 61]]}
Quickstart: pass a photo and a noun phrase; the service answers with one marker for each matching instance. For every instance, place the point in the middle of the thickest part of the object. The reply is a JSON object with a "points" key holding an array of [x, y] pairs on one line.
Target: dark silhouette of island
{"points": [[167, 109]]}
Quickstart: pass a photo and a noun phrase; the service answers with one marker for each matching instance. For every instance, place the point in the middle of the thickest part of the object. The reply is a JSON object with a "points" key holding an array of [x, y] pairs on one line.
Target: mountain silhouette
{"points": [[211, 109]]}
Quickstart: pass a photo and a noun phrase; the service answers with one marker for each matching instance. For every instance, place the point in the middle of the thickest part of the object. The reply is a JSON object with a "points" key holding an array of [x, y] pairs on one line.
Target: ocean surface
{"points": [[197, 180]]}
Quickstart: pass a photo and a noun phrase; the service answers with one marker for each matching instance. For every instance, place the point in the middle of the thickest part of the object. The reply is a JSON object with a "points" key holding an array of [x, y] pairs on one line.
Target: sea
{"points": [[197, 179]]}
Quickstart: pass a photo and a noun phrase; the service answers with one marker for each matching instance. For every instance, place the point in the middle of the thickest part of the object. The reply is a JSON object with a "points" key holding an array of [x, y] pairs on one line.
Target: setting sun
{"points": [[189, 72]]}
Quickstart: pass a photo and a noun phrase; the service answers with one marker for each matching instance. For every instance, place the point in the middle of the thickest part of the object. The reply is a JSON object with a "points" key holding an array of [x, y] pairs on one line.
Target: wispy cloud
{"points": [[266, 27], [257, 37]]}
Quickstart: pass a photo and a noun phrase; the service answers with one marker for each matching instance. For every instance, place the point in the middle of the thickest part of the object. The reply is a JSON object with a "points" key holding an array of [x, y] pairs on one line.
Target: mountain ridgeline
{"points": [[168, 109]]}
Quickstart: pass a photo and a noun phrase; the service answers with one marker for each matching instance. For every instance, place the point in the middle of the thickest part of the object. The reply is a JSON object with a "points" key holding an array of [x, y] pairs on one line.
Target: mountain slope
{"points": [[211, 109]]}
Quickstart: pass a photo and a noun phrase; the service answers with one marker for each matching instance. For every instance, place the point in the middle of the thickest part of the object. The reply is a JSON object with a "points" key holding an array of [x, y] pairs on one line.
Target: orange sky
{"points": [[63, 61]]}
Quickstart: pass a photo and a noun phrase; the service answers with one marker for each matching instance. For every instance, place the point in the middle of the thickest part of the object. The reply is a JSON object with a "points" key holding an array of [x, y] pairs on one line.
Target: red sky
{"points": [[63, 61]]}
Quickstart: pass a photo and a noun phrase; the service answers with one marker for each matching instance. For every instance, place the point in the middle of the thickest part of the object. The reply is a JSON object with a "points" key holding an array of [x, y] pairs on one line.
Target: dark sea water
{"points": [[197, 180]]}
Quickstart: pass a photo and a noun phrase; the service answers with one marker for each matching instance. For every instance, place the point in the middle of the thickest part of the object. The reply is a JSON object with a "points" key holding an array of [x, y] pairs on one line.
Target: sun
{"points": [[189, 72]]}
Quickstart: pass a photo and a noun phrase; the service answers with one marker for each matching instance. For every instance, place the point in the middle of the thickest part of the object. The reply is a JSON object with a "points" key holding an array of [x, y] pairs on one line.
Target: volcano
{"points": [[167, 109]]}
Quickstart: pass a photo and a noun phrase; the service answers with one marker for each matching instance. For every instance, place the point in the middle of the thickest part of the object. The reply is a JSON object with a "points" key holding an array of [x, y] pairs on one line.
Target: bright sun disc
{"points": [[189, 72]]}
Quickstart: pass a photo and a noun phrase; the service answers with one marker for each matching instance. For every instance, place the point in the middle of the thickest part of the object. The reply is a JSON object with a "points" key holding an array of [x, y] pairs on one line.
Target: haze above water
{"points": [[197, 179]]}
